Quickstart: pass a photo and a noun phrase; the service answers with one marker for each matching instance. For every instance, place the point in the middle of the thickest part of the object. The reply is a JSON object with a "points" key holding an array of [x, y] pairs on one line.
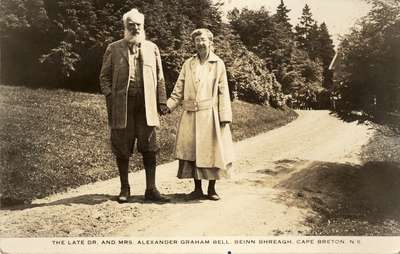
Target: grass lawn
{"points": [[51, 140]]}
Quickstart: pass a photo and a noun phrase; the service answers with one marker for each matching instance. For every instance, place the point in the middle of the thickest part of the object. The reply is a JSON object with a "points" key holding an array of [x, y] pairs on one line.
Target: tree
{"points": [[282, 16], [285, 37], [272, 39], [371, 58], [23, 25], [325, 54], [203, 13], [313, 42], [77, 32], [256, 29], [305, 29], [247, 77]]}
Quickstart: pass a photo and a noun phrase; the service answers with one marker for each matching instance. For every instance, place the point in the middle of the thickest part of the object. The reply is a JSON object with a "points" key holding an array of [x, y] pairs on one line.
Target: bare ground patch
{"points": [[348, 199]]}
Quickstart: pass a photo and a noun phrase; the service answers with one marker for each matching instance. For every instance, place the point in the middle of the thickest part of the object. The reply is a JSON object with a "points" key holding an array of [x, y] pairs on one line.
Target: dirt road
{"points": [[253, 202]]}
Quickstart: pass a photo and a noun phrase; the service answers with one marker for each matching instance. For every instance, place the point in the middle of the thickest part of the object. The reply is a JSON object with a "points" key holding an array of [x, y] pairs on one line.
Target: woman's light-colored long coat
{"points": [[200, 136]]}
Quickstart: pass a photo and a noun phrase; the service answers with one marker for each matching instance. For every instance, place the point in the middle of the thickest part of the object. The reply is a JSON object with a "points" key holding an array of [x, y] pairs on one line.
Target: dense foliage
{"points": [[60, 43], [299, 58], [368, 74]]}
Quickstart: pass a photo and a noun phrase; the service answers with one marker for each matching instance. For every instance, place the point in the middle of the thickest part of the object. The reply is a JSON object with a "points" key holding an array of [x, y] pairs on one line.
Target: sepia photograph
{"points": [[199, 126]]}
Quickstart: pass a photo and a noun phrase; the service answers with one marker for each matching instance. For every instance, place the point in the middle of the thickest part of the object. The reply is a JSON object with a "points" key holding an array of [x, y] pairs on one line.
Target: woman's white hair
{"points": [[201, 31]]}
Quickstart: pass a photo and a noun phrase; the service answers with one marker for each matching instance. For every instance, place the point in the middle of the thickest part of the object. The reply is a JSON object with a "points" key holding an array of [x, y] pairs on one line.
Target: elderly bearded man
{"points": [[132, 80]]}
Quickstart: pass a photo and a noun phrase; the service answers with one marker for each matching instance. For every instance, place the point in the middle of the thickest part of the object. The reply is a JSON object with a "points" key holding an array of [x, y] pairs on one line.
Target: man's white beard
{"points": [[135, 39]]}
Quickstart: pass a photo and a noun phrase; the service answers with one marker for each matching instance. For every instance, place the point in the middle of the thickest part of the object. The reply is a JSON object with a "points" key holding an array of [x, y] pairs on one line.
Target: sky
{"points": [[339, 15]]}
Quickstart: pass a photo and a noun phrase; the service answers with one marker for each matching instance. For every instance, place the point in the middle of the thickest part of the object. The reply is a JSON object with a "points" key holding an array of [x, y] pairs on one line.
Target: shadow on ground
{"points": [[348, 199], [96, 199], [351, 116], [388, 119]]}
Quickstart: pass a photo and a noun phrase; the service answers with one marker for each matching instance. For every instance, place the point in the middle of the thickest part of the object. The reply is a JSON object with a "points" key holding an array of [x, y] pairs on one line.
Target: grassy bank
{"points": [[51, 140]]}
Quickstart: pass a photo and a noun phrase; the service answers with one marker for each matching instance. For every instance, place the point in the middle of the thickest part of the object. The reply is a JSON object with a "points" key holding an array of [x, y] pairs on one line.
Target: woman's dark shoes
{"points": [[213, 196], [196, 194], [154, 195], [124, 195]]}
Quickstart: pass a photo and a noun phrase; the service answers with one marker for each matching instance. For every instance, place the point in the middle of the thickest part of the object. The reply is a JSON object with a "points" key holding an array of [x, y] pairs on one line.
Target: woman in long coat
{"points": [[204, 140]]}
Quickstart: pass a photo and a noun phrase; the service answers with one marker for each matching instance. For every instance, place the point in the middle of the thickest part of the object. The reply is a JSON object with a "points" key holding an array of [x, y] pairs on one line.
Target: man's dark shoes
{"points": [[213, 196], [195, 195], [154, 195], [124, 195]]}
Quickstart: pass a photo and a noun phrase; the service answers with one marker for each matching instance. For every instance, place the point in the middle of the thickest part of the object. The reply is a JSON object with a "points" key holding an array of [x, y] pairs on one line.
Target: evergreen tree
{"points": [[326, 49], [325, 53], [305, 29], [282, 17], [313, 42]]}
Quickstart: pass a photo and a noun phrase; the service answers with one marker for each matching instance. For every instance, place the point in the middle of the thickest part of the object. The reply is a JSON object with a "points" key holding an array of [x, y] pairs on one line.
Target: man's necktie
{"points": [[133, 48]]}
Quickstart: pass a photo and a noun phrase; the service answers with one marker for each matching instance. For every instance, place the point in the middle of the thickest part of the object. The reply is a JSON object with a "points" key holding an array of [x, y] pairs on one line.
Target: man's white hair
{"points": [[133, 15]]}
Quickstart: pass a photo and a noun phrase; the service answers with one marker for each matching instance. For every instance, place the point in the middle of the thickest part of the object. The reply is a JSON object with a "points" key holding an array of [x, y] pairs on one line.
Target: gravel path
{"points": [[252, 204]]}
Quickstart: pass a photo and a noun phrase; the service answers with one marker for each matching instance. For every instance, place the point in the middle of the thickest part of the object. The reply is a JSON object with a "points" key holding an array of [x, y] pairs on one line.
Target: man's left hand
{"points": [[163, 109]]}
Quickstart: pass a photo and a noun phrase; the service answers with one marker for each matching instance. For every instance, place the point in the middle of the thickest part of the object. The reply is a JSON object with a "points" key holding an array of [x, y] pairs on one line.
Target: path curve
{"points": [[251, 205]]}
